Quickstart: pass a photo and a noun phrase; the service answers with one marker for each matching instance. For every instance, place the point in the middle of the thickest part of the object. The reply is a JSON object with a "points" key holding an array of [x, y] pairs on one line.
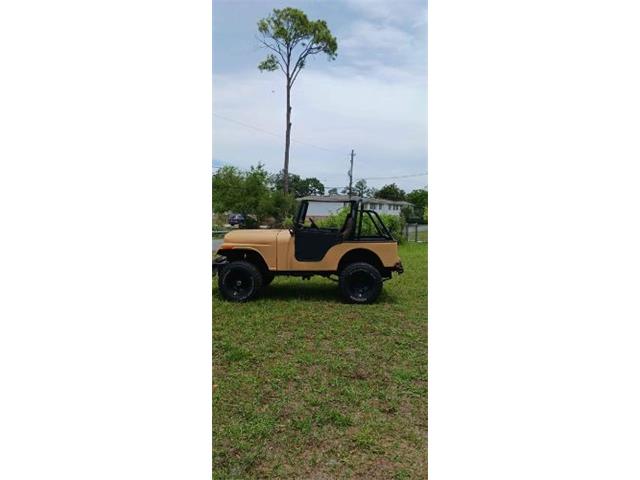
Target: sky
{"points": [[372, 98]]}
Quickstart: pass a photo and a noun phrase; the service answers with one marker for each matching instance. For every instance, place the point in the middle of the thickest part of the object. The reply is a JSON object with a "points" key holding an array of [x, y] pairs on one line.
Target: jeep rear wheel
{"points": [[239, 281], [267, 278], [360, 283]]}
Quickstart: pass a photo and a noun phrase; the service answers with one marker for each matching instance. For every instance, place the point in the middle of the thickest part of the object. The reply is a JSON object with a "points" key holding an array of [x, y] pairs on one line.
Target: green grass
{"points": [[308, 387]]}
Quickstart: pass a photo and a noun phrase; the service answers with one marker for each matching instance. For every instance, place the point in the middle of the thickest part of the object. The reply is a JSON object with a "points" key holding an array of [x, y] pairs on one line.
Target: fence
{"points": [[414, 232]]}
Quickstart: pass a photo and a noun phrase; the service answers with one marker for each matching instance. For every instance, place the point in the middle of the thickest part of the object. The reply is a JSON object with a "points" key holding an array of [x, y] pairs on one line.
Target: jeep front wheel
{"points": [[360, 283], [239, 281]]}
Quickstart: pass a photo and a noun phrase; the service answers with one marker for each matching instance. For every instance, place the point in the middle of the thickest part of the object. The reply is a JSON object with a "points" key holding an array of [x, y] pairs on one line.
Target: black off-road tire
{"points": [[360, 283], [267, 278], [239, 281]]}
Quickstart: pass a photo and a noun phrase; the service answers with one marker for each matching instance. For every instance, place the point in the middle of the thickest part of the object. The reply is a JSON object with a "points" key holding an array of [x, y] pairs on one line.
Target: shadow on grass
{"points": [[309, 292]]}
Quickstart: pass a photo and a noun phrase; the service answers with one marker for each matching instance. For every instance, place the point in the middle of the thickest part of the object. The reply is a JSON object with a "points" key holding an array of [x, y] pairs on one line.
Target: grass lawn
{"points": [[308, 387]]}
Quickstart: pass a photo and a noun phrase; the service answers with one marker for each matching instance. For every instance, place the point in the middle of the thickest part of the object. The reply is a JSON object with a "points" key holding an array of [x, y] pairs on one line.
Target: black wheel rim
{"points": [[238, 283], [360, 284]]}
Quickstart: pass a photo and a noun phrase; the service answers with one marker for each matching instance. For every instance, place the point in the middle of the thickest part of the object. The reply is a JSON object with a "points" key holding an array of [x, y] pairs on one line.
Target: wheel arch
{"points": [[361, 255], [248, 254]]}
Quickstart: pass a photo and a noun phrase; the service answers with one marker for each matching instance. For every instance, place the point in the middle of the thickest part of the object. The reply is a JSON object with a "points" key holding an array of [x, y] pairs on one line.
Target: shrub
{"points": [[335, 220], [275, 205], [407, 212], [395, 224], [287, 222], [250, 222]]}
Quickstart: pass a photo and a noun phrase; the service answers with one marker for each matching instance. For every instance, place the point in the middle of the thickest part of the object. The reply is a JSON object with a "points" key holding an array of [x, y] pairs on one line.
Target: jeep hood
{"points": [[252, 237]]}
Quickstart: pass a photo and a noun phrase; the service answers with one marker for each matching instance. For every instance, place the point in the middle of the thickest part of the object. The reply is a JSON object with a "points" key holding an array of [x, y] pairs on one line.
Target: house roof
{"points": [[330, 198], [347, 198], [389, 202]]}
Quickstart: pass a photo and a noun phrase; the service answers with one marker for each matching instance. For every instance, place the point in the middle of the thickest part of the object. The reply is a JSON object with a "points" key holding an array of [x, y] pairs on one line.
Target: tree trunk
{"points": [[287, 140]]}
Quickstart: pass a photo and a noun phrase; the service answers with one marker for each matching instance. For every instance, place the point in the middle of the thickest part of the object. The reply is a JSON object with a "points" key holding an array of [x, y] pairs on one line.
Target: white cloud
{"points": [[374, 45], [375, 36], [383, 118], [372, 99], [398, 11]]}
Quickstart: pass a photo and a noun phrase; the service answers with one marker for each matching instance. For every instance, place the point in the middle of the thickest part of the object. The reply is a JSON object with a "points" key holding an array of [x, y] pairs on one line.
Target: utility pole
{"points": [[353, 154]]}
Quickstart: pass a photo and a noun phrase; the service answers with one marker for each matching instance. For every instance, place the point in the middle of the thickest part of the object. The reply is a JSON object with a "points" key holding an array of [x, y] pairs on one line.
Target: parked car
{"points": [[248, 260], [236, 219]]}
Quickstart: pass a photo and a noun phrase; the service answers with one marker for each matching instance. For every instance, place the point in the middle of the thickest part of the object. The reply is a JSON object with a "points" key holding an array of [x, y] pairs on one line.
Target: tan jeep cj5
{"points": [[248, 260]]}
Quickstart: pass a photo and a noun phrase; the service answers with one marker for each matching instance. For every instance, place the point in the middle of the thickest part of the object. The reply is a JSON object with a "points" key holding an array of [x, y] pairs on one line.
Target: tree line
{"points": [[260, 196]]}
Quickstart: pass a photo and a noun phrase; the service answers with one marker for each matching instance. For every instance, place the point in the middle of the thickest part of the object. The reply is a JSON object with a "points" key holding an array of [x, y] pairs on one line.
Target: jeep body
{"points": [[361, 262]]}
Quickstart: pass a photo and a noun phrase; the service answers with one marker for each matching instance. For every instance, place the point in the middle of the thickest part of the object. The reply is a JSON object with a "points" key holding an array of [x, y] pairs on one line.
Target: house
{"points": [[323, 206]]}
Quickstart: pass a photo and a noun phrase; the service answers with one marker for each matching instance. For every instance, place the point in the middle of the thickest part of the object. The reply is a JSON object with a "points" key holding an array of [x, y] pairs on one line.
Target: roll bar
{"points": [[357, 212]]}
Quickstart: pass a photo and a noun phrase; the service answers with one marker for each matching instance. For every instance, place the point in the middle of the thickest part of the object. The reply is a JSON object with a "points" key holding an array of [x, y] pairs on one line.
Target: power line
{"points": [[392, 178], [388, 178], [258, 129], [368, 178]]}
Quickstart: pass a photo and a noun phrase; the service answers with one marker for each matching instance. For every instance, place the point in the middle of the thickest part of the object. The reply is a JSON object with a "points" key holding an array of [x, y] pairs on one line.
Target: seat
{"points": [[347, 228]]}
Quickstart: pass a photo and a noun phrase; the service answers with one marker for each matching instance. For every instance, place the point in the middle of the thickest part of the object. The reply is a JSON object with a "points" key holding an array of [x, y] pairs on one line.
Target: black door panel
{"points": [[311, 244]]}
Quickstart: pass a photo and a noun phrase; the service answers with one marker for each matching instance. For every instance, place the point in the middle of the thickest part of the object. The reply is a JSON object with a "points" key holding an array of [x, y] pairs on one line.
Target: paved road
{"points": [[216, 243]]}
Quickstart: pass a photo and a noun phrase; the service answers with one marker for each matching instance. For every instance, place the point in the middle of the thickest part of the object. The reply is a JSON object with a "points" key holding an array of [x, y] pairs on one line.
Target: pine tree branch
{"points": [[300, 62], [276, 49]]}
